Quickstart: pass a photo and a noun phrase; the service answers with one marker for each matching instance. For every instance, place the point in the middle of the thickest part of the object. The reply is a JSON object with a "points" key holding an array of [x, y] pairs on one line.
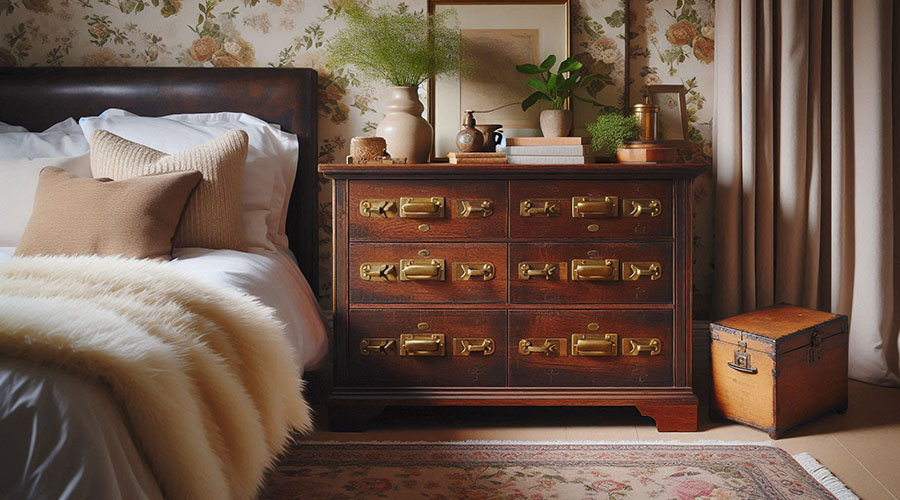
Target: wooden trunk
{"points": [[778, 367], [512, 285]]}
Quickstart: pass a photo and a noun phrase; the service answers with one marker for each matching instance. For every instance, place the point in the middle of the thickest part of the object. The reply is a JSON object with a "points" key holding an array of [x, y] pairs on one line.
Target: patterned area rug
{"points": [[472, 470]]}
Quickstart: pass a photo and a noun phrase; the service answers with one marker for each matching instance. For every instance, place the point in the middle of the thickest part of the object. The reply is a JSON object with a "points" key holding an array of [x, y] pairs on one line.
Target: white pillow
{"points": [[20, 179], [5, 127], [63, 139], [271, 160]]}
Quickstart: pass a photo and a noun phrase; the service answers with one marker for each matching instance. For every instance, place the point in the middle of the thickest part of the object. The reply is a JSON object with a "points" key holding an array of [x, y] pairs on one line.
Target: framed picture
{"points": [[672, 121], [499, 35]]}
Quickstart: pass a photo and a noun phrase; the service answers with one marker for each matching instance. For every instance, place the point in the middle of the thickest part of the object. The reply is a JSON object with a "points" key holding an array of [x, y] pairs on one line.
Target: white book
{"points": [[549, 160], [575, 150]]}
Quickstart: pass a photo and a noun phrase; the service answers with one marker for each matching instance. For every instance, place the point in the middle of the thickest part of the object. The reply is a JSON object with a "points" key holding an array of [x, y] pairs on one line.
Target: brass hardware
{"points": [[593, 228], [422, 270], [423, 253], [633, 347], [422, 208], [593, 254], [595, 206], [413, 344], [472, 208], [376, 346], [595, 270], [529, 208], [466, 271], [594, 344], [378, 208], [593, 327], [637, 208], [547, 270], [547, 347], [464, 347], [633, 271], [424, 228], [742, 359], [423, 326], [378, 271]]}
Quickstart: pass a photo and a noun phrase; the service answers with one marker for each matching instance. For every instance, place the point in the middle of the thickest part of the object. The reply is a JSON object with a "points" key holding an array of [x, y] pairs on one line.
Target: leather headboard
{"points": [[36, 98]]}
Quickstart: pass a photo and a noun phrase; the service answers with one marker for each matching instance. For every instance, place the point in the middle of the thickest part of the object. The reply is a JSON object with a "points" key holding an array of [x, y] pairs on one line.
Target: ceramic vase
{"points": [[556, 122], [408, 135]]}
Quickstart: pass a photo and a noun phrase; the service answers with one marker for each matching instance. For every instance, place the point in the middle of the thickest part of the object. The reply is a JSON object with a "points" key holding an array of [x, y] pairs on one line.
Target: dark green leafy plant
{"points": [[396, 45], [610, 131], [555, 87]]}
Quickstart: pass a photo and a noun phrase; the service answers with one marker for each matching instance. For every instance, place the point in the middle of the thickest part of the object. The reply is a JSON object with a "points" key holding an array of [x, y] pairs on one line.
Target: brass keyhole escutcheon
{"points": [[593, 228], [593, 254], [423, 326], [424, 228], [424, 253], [593, 327]]}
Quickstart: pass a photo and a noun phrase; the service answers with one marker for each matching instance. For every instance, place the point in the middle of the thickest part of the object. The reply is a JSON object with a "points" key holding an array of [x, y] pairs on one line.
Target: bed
{"points": [[65, 436]]}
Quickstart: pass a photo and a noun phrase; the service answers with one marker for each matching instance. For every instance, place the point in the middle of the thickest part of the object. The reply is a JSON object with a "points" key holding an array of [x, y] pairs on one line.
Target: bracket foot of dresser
{"points": [[671, 417]]}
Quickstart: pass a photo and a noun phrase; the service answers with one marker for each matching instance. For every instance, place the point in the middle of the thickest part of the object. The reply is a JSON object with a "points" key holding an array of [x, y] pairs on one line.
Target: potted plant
{"points": [[555, 88], [610, 131], [402, 48]]}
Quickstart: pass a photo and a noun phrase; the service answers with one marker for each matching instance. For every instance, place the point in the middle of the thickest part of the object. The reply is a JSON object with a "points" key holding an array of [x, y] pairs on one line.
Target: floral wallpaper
{"points": [[671, 41]]}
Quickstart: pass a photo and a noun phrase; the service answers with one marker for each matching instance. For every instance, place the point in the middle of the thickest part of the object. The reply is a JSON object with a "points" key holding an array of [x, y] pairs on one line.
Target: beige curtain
{"points": [[807, 165]]}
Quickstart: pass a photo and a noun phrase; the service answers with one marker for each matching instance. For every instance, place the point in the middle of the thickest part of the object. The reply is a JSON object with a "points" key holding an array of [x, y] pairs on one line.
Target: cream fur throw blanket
{"points": [[205, 375]]}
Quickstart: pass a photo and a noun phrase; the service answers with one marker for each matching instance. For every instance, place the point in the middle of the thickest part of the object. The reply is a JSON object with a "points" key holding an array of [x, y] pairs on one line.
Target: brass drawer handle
{"points": [[466, 271], [639, 207], [633, 271], [378, 271], [431, 344], [591, 206], [376, 346], [595, 270], [549, 347], [546, 270], [422, 208], [465, 347], [549, 208], [378, 208], [422, 269], [473, 208], [634, 347], [594, 344]]}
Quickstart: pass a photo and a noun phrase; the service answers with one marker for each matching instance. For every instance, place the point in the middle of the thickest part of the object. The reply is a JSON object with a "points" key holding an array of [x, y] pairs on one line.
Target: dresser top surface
{"points": [[517, 171]]}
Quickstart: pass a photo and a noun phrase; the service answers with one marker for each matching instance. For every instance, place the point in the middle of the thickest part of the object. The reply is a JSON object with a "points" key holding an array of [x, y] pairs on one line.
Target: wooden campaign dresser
{"points": [[512, 285]]}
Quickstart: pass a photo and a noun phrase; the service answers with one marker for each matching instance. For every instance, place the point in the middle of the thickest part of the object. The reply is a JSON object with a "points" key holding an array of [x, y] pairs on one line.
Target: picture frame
{"points": [[499, 34], [672, 121]]}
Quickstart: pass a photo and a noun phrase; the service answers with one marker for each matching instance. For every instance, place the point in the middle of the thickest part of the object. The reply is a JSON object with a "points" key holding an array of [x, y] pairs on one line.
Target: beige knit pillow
{"points": [[212, 218], [82, 216]]}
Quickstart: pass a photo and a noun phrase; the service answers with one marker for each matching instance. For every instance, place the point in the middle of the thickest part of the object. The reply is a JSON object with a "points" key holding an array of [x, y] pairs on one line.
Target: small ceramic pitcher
{"points": [[492, 136]]}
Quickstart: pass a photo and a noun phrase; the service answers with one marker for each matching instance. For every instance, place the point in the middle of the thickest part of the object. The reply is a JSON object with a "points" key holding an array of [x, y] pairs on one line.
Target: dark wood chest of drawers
{"points": [[512, 285]]}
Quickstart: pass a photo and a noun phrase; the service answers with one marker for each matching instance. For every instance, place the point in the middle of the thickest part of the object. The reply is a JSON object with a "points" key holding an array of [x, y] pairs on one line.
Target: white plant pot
{"points": [[407, 134], [556, 122]]}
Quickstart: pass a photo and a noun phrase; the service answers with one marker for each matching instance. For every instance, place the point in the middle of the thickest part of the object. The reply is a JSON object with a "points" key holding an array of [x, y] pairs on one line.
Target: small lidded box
{"points": [[779, 366]]}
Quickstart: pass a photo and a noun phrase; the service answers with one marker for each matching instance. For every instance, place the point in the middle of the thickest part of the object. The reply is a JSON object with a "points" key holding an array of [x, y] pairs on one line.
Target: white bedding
{"points": [[63, 437]]}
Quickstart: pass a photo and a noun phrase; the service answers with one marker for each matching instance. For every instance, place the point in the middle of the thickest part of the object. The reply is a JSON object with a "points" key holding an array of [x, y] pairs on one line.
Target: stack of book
{"points": [[457, 158], [549, 150]]}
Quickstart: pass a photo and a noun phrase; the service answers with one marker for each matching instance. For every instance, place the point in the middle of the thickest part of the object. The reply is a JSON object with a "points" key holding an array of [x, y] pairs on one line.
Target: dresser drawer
{"points": [[569, 348], [421, 348], [433, 210], [591, 209], [428, 273], [590, 273]]}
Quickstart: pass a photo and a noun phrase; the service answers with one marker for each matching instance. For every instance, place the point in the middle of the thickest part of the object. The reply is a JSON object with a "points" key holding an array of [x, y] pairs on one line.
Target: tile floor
{"points": [[861, 447]]}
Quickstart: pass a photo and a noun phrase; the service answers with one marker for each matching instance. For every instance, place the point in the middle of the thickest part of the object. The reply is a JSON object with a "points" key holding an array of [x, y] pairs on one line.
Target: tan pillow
{"points": [[212, 218], [78, 215]]}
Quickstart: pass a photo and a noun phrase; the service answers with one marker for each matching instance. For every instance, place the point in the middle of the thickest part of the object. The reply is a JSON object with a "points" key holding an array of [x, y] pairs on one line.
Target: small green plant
{"points": [[555, 87], [610, 131], [396, 45]]}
